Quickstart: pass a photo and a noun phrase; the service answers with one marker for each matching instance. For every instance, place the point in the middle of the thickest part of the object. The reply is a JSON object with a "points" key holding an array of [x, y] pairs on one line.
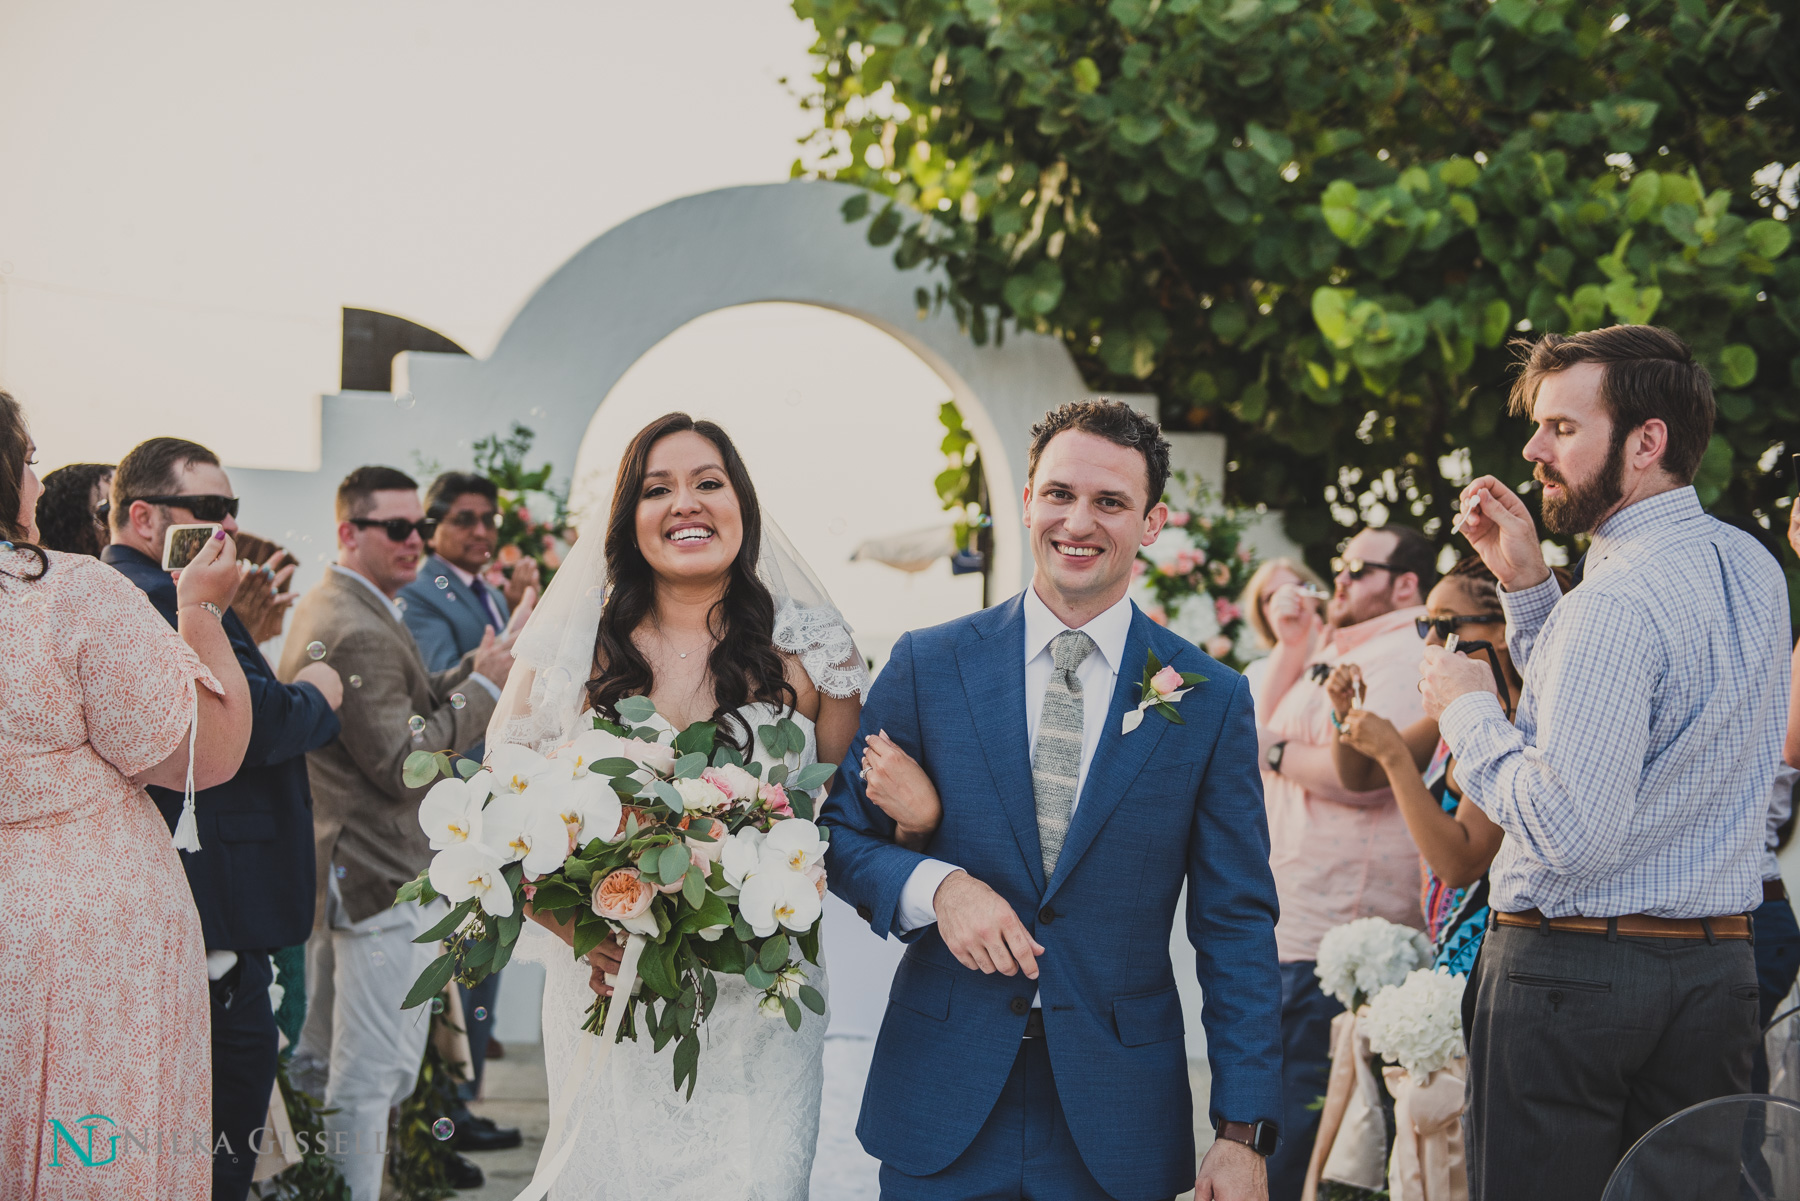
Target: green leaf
{"points": [[693, 886], [590, 932], [1737, 365], [789, 1008], [802, 805], [614, 766], [420, 769], [1331, 313], [689, 767], [667, 794], [889, 33], [1496, 319], [756, 977], [1087, 75], [812, 775], [812, 999], [1769, 239], [794, 736], [1341, 208], [1140, 129], [430, 982], [774, 954], [448, 924], [467, 767], [686, 1063], [771, 739], [672, 863], [712, 911], [856, 208], [1459, 172], [555, 894], [697, 739], [636, 710]]}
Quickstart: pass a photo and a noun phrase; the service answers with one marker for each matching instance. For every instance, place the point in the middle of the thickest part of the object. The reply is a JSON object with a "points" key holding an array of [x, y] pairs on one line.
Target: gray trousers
{"points": [[1579, 1044]]}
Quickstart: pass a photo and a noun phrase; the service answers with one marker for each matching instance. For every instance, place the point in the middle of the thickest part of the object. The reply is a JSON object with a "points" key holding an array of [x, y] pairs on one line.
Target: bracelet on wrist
{"points": [[208, 606]]}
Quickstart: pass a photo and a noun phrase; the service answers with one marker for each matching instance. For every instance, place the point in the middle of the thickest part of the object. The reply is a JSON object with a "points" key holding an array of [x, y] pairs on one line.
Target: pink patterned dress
{"points": [[105, 1052]]}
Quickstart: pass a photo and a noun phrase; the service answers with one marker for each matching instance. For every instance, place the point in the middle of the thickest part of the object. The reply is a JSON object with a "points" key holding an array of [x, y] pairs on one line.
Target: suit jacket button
{"points": [[1021, 1006], [1046, 915], [865, 913]]}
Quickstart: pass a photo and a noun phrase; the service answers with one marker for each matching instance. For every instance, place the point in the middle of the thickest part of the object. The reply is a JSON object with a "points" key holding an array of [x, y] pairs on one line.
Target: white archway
{"points": [[629, 289]]}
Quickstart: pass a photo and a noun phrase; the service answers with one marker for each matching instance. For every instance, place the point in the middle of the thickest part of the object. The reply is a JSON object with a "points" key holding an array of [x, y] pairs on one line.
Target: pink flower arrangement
{"points": [[776, 798], [1225, 612], [624, 894], [1178, 517]]}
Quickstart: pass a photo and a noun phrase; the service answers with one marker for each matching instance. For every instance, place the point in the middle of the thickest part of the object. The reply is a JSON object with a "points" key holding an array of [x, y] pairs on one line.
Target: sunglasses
{"points": [[398, 529], [204, 508], [468, 519], [1446, 626], [1356, 569]]}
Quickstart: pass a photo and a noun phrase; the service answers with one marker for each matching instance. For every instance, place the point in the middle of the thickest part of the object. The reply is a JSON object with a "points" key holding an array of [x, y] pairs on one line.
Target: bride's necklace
{"points": [[664, 638]]}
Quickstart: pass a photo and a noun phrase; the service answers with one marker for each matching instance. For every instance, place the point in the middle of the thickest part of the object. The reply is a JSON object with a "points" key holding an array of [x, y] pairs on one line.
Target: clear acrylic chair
{"points": [[1742, 1148]]}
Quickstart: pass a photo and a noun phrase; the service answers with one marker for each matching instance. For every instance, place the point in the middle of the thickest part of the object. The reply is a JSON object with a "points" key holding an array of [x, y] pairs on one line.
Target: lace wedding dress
{"points": [[753, 1123]]}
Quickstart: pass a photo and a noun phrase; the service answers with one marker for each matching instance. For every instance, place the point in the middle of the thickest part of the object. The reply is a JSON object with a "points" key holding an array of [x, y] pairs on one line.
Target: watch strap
{"points": [[1249, 1134]]}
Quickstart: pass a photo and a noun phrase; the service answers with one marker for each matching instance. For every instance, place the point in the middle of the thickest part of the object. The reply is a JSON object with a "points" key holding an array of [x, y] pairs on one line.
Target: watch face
{"points": [[1263, 1138]]}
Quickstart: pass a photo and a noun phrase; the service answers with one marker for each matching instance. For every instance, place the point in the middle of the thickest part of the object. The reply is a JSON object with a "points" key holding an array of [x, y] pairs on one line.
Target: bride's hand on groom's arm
{"points": [[897, 784], [981, 929]]}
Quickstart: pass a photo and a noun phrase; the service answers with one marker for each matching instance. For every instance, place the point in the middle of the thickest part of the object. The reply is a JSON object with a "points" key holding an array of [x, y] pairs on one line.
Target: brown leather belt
{"points": [[1637, 925], [1774, 890]]}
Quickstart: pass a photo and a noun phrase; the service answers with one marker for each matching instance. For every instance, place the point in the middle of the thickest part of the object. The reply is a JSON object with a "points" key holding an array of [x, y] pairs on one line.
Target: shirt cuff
{"points": [[918, 897], [1463, 716], [1528, 609], [493, 689]]}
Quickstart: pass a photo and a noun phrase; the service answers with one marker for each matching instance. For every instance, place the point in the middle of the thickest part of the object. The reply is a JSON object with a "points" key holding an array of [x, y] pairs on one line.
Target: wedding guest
{"points": [[1777, 933], [252, 877], [103, 1007], [1264, 582], [362, 959], [1617, 984], [68, 514], [264, 595], [1337, 854], [448, 609]]}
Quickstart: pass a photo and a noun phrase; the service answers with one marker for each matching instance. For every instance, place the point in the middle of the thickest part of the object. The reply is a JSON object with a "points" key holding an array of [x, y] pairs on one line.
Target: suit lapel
{"points": [[1119, 757], [360, 595], [992, 665]]}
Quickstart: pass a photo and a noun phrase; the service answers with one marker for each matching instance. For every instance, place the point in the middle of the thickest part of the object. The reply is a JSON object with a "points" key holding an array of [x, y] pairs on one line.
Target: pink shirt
{"points": [[1336, 860]]}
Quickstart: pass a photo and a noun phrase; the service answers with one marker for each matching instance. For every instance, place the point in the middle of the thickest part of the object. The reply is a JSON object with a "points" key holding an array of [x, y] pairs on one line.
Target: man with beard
{"points": [[1336, 855], [1617, 984]]}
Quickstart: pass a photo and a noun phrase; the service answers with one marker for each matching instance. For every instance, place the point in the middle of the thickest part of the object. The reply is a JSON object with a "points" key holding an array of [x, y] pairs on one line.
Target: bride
{"points": [[709, 612]]}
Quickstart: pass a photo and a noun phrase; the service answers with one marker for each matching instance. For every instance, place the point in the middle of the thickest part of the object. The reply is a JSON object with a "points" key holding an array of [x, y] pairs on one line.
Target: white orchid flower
{"points": [[795, 844], [527, 831], [472, 870], [589, 747], [741, 856], [588, 807], [775, 899], [451, 811], [515, 768]]}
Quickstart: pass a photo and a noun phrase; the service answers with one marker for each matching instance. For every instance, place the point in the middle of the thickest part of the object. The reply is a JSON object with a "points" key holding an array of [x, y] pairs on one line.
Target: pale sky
{"points": [[194, 189]]}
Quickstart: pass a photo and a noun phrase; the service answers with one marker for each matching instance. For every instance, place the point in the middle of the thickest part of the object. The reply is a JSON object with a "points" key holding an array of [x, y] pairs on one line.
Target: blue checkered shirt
{"points": [[1637, 778]]}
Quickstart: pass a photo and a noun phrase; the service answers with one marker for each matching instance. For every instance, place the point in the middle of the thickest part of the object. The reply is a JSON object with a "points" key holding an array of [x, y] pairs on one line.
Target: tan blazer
{"points": [[365, 821]]}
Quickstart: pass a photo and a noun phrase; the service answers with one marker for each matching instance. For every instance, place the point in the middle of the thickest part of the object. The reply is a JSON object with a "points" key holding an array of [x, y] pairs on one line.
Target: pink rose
{"points": [[1226, 612], [524, 514], [1221, 573], [1156, 614], [1177, 518], [705, 854], [624, 894], [775, 797], [530, 891], [1166, 681]]}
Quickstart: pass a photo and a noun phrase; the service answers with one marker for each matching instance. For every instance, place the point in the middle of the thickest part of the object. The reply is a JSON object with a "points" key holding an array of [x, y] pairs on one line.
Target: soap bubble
{"points": [[356, 681], [315, 651], [339, 871], [400, 603], [481, 1013], [437, 1004], [416, 724], [442, 581], [442, 1129], [596, 594], [377, 958], [405, 400], [458, 700]]}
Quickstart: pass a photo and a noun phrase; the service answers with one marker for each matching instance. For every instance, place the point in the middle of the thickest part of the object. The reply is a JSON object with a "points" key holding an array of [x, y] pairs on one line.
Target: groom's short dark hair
{"points": [[1116, 422]]}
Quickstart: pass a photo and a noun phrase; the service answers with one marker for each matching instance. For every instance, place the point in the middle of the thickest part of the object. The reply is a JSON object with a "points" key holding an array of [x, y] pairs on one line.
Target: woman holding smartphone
{"points": [[1457, 843]]}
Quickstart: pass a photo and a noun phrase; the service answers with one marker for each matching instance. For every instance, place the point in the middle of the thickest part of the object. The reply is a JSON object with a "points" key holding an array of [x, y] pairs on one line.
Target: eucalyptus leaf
{"points": [[420, 769], [636, 709], [774, 954], [757, 977], [813, 775], [813, 999], [467, 767], [616, 765], [792, 1011], [689, 767]]}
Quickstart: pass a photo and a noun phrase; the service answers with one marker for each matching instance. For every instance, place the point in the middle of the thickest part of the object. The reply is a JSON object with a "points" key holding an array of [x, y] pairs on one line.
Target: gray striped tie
{"points": [[1056, 761]]}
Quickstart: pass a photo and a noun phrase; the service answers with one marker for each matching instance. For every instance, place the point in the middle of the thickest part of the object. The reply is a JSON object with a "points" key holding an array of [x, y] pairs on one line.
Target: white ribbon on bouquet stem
{"points": [[590, 1057]]}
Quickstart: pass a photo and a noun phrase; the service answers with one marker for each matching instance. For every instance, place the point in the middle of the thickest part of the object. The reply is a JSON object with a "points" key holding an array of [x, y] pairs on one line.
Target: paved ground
{"points": [[516, 1096]]}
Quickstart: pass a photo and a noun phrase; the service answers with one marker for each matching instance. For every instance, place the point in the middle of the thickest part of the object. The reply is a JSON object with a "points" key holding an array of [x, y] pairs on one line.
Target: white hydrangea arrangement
{"points": [[1417, 1023], [1358, 959]]}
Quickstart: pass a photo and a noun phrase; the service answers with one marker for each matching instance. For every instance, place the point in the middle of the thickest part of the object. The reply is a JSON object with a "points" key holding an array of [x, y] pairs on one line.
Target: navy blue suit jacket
{"points": [[253, 876], [448, 622], [1163, 805]]}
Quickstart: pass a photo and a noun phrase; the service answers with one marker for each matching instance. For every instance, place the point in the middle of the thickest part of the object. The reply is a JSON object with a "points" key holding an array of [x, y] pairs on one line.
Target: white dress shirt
{"points": [[1097, 673], [492, 688]]}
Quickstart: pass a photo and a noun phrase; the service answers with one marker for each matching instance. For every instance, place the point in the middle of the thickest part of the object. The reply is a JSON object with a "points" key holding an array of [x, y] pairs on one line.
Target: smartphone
{"points": [[183, 543]]}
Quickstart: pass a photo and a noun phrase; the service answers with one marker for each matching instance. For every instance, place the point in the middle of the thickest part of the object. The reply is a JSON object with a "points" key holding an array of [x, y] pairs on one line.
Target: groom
{"points": [[1033, 1040]]}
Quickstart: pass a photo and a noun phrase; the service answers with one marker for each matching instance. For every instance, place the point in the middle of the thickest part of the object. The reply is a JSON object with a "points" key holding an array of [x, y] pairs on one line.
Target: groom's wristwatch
{"points": [[1258, 1136], [1273, 759]]}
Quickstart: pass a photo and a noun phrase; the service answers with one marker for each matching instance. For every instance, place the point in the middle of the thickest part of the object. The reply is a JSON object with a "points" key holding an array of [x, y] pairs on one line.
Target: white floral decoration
{"points": [[1417, 1023], [1360, 958]]}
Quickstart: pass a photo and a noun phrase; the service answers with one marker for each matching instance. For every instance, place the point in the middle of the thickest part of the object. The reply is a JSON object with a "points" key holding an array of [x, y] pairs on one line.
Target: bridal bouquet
{"points": [[716, 865], [1358, 959], [1417, 1024]]}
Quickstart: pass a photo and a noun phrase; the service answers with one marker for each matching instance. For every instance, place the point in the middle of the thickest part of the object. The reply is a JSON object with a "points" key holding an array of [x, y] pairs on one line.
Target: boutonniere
{"points": [[1162, 687]]}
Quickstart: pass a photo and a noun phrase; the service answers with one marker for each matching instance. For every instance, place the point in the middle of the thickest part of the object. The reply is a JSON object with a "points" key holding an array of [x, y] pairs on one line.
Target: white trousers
{"points": [[357, 975]]}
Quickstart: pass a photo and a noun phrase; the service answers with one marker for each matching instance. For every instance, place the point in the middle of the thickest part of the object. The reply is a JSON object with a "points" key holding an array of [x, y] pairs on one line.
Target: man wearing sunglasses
{"points": [[253, 876], [361, 959], [1336, 855]]}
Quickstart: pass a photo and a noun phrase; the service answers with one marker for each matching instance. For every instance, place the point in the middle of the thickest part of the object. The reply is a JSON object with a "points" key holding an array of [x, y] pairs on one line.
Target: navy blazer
{"points": [[446, 622], [1163, 805], [252, 878]]}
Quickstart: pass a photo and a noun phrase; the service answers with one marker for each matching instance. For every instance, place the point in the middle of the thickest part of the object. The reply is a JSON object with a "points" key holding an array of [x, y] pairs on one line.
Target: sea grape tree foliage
{"points": [[1315, 226]]}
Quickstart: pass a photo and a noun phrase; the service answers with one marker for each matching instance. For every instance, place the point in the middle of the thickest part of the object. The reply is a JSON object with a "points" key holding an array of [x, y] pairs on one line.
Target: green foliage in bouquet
{"points": [[1215, 565], [1313, 227], [534, 515], [653, 828]]}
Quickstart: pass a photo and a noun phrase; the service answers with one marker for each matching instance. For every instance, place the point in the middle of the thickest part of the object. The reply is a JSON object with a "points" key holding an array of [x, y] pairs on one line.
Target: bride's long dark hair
{"points": [[744, 663]]}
